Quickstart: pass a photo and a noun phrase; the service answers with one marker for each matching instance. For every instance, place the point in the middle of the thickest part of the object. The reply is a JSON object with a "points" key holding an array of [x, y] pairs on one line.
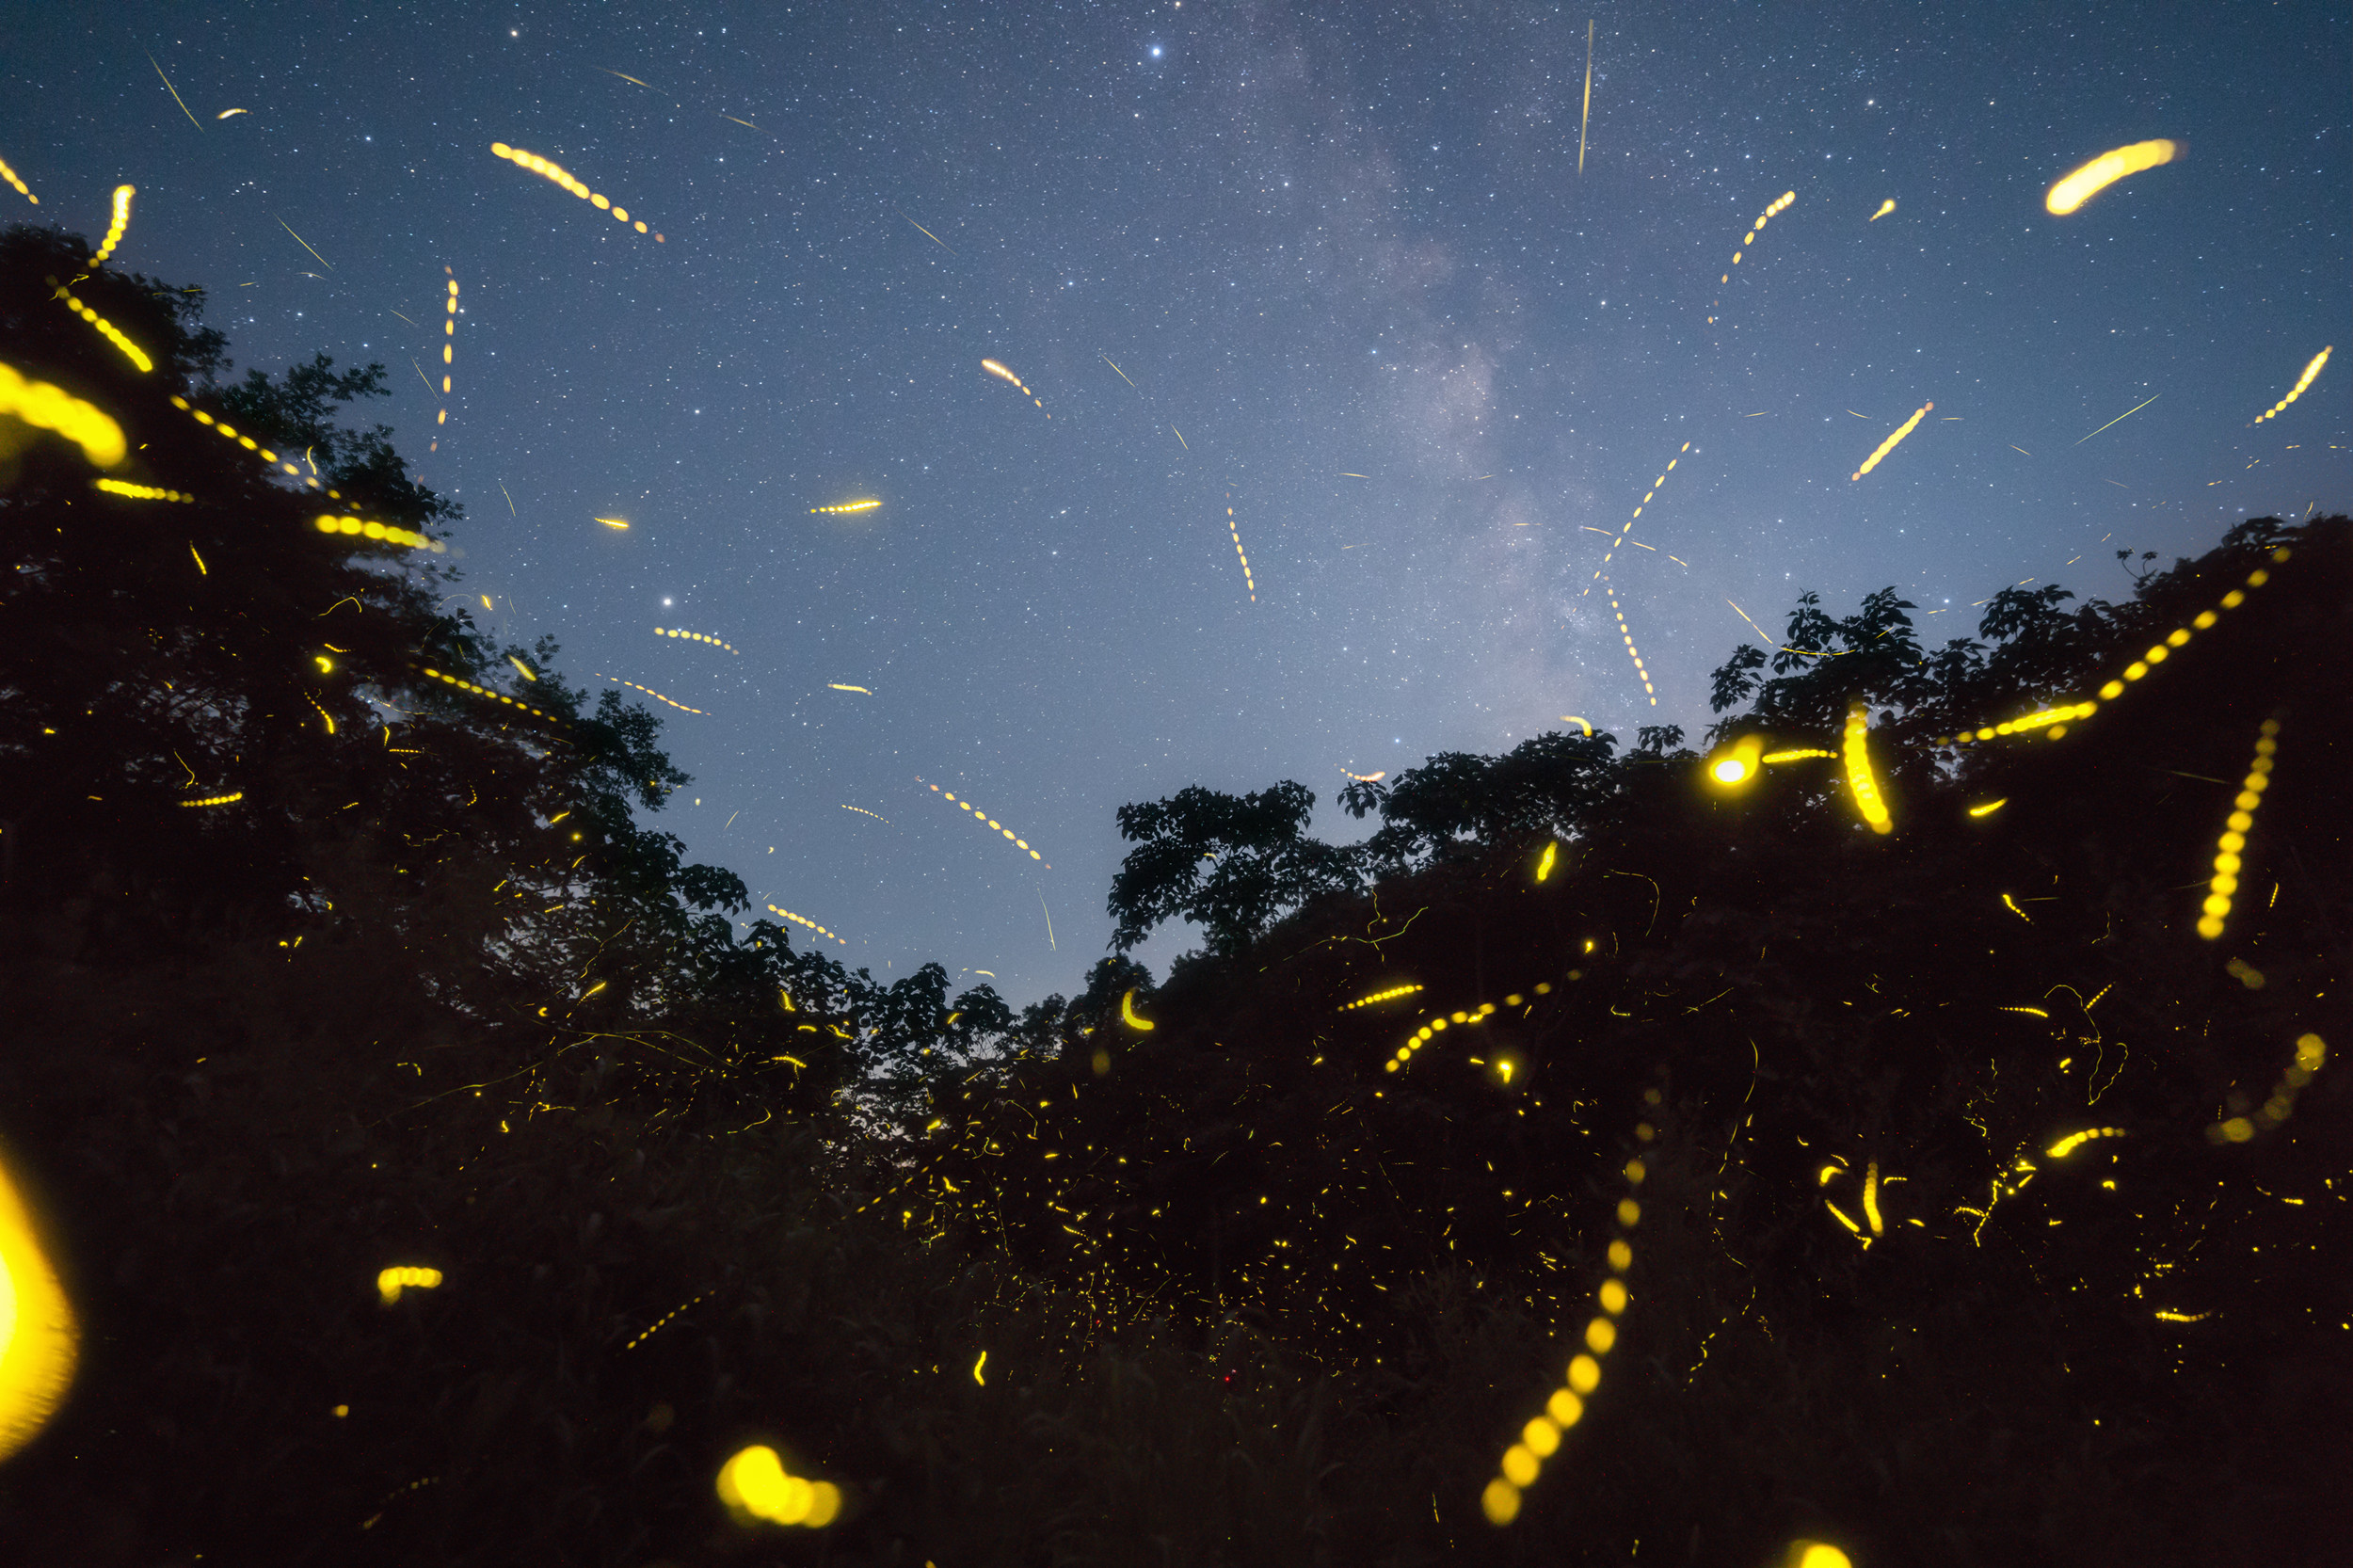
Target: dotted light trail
{"points": [[1631, 651], [489, 694], [1392, 992], [1885, 207], [1004, 374], [117, 222], [107, 329], [1655, 487], [864, 812], [1780, 203], [981, 816], [1248, 582], [561, 177], [1367, 777], [846, 507], [387, 532], [1860, 780], [2301, 382], [2227, 863], [2073, 1141], [803, 919], [2311, 1052], [52, 408], [449, 346], [229, 799], [39, 1340], [22, 188], [1906, 428], [693, 638], [391, 1282], [661, 1323], [228, 432], [138, 492], [2105, 170], [650, 692]]}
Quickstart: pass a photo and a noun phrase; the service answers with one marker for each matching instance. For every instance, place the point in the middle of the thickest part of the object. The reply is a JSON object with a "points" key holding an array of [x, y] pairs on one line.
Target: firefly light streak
{"points": [[52, 408], [981, 816], [2074, 1140], [1859, 781], [1392, 992], [228, 432], [1586, 113], [1654, 486], [107, 329], [2105, 170], [1367, 777], [2301, 382], [1248, 582], [22, 188], [2227, 863], [489, 694], [229, 799], [391, 1282], [563, 178], [1004, 374], [449, 345], [39, 1340], [2310, 1052], [1885, 207], [1780, 202], [755, 1485], [650, 692], [837, 686], [1631, 651], [619, 525], [864, 812], [129, 491], [693, 638], [1889, 444], [847, 507], [2119, 418], [117, 222], [803, 919], [389, 533]]}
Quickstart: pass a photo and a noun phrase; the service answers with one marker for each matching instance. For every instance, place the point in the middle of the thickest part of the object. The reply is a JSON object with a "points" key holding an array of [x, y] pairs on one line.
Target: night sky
{"points": [[1346, 252]]}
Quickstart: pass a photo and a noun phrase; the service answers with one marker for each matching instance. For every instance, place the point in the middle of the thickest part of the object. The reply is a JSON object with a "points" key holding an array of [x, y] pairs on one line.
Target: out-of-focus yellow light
{"points": [[107, 329], [230, 798], [1816, 1554], [39, 1340], [2084, 183], [1584, 1374], [1858, 777], [390, 1282], [1737, 764], [1600, 1334], [1889, 444], [1544, 865], [2302, 382], [118, 222], [22, 188], [754, 1485], [1500, 1502], [388, 533], [1541, 1437], [52, 408], [129, 491]]}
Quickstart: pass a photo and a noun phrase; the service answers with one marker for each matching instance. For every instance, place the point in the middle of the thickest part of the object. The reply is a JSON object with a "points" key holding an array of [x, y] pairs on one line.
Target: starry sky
{"points": [[1332, 267]]}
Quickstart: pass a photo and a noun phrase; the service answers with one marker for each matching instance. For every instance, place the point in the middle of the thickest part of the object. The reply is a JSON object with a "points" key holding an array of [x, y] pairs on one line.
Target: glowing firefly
{"points": [[1247, 581], [615, 522], [1630, 651], [47, 408], [391, 1282], [175, 95], [847, 507], [650, 692], [1586, 114], [754, 1485], [864, 812], [837, 686], [39, 1340], [107, 329], [226, 113], [2105, 170], [1858, 777], [117, 223], [1127, 1013], [1572, 718], [1777, 205], [1544, 865], [561, 177], [1906, 428], [803, 919], [981, 816], [1004, 374], [1367, 777], [693, 638], [388, 533], [2301, 382], [1885, 207], [2119, 418], [488, 695], [449, 343], [138, 492], [1655, 485], [22, 188]]}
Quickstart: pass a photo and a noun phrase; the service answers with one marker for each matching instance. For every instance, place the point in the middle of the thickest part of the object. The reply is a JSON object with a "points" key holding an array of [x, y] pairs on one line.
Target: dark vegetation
{"points": [[432, 993]]}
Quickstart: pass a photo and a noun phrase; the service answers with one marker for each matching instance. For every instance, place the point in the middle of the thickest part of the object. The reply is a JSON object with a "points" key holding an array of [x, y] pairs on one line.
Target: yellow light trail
{"points": [[620, 523], [175, 95], [1127, 1013], [976, 1370], [22, 188], [1859, 780], [2227, 863], [1779, 203], [106, 329], [1988, 808], [47, 408], [625, 77], [391, 1282], [847, 507], [1889, 444], [201, 570], [305, 244], [920, 229], [561, 177], [693, 638], [449, 345], [522, 669], [485, 693], [2103, 171], [117, 222], [138, 492], [864, 812], [2301, 382], [228, 432], [39, 1340], [229, 799], [1248, 582], [803, 919], [2122, 417], [981, 816], [837, 686], [1631, 651], [226, 113], [1179, 434], [1379, 997], [2312, 1051], [1004, 374], [1121, 373], [1655, 485], [389, 533], [1586, 114], [1795, 754], [1572, 718], [650, 692], [2073, 1141], [1885, 207]]}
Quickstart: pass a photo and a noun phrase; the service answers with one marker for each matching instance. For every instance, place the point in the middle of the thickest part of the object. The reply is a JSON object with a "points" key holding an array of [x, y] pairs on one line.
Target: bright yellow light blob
{"points": [[1127, 1013], [1544, 865], [1816, 1554], [120, 220], [1004, 374], [1520, 1466], [1988, 808], [1500, 1502], [976, 1370], [1795, 754], [2302, 382], [1584, 1374], [1380, 995], [1600, 1334], [2105, 170], [139, 492], [754, 1485], [1564, 1408], [1612, 1296], [847, 507], [107, 329], [618, 524], [22, 188], [1541, 1437], [1858, 777], [1730, 770], [1889, 444], [650, 692], [39, 1340], [983, 817], [1621, 1257], [390, 1282], [1885, 207], [47, 408]]}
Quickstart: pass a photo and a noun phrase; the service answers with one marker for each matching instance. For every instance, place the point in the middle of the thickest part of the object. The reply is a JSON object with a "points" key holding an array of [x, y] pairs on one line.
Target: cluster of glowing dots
{"points": [[693, 636], [1631, 651], [109, 331], [1860, 780], [2074, 1140], [485, 691], [2301, 382], [2310, 1052], [389, 533], [845, 507], [1906, 428], [54, 409], [1540, 1438], [39, 1340], [1247, 581], [804, 920], [560, 176], [981, 816], [22, 188], [659, 1323], [230, 432], [2103, 171], [119, 221], [2227, 863], [651, 693], [1780, 202], [1004, 374], [229, 799], [1654, 486], [1467, 1018], [391, 1282], [1391, 993], [129, 491], [754, 1487], [449, 349]]}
